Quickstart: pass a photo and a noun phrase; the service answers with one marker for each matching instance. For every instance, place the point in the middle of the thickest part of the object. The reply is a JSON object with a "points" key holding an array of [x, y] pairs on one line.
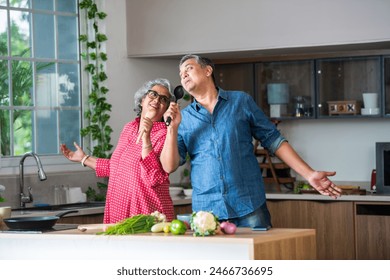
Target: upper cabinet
{"points": [[331, 87], [285, 89], [349, 86], [169, 28], [386, 97]]}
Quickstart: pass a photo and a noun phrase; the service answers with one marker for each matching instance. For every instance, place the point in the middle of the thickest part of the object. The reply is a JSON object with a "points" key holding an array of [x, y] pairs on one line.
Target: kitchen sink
{"points": [[60, 207]]}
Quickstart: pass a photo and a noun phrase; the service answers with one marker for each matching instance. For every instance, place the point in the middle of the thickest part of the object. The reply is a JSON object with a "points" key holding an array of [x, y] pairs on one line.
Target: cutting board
{"points": [[93, 227], [345, 190]]}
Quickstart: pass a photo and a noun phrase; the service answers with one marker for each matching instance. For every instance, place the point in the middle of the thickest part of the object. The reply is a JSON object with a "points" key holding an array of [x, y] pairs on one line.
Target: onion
{"points": [[228, 228]]}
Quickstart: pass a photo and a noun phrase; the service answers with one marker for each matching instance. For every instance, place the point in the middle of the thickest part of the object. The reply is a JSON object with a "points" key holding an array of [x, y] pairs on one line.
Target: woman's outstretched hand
{"points": [[75, 156]]}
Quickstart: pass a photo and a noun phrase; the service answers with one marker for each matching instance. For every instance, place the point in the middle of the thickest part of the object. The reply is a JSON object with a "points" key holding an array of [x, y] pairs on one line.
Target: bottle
{"points": [[373, 180]]}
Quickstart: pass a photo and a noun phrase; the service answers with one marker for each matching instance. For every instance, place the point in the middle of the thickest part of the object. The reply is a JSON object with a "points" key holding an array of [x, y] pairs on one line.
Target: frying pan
{"points": [[35, 223]]}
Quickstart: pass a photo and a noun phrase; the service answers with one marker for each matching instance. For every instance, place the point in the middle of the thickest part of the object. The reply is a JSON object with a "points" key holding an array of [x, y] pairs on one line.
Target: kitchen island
{"points": [[276, 243]]}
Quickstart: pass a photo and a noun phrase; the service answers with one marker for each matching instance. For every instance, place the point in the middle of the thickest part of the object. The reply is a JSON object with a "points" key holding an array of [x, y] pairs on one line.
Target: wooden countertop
{"points": [[277, 243]]}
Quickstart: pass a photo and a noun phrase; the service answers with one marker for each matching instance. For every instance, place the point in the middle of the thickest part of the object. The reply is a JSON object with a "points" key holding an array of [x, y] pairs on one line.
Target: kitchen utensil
{"points": [[35, 223], [178, 92]]}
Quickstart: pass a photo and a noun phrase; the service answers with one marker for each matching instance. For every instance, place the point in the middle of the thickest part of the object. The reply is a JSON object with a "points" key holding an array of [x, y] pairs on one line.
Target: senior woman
{"points": [[137, 182]]}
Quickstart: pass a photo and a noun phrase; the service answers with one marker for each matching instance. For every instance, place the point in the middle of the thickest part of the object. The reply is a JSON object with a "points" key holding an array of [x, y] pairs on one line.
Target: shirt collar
{"points": [[222, 94]]}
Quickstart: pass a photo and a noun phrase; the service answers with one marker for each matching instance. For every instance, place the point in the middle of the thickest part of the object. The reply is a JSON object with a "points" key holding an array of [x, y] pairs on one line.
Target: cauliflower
{"points": [[159, 217], [204, 223]]}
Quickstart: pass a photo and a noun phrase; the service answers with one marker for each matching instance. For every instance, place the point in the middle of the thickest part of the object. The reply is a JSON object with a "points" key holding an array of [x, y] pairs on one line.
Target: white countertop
{"points": [[76, 245]]}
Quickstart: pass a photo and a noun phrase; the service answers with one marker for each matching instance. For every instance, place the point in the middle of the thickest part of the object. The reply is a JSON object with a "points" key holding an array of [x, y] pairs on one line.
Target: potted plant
{"points": [[97, 112]]}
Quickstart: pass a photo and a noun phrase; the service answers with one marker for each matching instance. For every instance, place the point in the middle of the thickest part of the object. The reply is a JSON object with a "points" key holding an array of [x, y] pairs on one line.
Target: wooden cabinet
{"points": [[372, 231], [82, 220], [183, 209], [333, 222], [286, 88], [313, 86], [345, 80], [387, 86], [345, 230]]}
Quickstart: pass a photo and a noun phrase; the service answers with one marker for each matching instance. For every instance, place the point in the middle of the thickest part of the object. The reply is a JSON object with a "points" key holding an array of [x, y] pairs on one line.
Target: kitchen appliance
{"points": [[382, 167], [35, 223]]}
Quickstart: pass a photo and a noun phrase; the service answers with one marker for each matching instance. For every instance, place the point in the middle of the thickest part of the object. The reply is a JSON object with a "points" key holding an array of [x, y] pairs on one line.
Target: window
{"points": [[40, 96]]}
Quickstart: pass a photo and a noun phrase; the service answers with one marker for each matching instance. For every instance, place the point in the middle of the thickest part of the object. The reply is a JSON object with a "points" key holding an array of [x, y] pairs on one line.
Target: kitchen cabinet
{"points": [[372, 231], [345, 230], [386, 99], [313, 86], [285, 89], [82, 219], [236, 76], [341, 83], [333, 222]]}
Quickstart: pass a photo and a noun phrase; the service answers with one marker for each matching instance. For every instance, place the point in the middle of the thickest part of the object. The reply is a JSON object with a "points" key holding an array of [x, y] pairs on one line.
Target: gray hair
{"points": [[142, 91], [202, 61]]}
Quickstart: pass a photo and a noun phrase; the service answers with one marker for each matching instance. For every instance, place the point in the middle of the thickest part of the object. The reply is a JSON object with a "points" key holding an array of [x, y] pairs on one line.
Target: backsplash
{"points": [[43, 191]]}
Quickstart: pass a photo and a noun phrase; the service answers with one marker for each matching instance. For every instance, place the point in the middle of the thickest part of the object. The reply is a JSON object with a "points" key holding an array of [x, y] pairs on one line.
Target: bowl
{"points": [[184, 217], [187, 192], [175, 191]]}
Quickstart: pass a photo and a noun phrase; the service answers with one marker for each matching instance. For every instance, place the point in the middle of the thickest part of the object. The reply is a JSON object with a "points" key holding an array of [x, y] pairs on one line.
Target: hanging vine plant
{"points": [[97, 114]]}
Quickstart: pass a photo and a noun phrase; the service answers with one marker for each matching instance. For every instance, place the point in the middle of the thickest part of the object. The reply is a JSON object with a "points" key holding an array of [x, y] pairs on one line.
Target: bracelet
{"points": [[84, 159], [148, 146]]}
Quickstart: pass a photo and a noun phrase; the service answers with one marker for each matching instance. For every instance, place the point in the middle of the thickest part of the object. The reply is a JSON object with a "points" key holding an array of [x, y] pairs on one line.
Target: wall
{"points": [[125, 74], [206, 26], [345, 146]]}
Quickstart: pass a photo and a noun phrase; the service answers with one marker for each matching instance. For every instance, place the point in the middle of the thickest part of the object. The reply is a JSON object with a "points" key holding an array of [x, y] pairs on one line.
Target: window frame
{"points": [[9, 165]]}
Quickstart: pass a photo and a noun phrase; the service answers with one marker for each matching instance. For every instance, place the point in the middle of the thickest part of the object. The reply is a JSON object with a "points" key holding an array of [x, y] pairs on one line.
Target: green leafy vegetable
{"points": [[136, 224]]}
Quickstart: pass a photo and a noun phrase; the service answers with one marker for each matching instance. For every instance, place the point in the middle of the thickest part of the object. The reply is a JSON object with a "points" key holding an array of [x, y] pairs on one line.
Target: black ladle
{"points": [[178, 92]]}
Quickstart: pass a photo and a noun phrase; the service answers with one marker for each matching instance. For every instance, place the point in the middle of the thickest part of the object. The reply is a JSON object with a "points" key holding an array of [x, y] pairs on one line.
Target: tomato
{"points": [[178, 227]]}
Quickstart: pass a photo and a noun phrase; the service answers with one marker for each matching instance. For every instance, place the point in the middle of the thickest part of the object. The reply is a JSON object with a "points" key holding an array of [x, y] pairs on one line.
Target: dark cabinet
{"points": [[286, 89], [346, 85], [321, 87], [239, 76], [386, 97]]}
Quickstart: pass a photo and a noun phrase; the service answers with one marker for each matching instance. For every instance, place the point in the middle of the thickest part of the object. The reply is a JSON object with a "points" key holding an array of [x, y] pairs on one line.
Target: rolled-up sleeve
{"points": [[276, 144]]}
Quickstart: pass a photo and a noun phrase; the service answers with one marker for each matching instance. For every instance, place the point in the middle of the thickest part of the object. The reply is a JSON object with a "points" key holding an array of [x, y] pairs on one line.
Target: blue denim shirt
{"points": [[225, 173]]}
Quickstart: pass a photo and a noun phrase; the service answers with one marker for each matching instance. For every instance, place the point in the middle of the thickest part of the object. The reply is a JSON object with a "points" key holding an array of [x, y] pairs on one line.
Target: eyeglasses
{"points": [[161, 98]]}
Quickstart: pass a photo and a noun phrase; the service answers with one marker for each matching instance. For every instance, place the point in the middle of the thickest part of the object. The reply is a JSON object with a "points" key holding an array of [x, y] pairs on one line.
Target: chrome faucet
{"points": [[41, 174]]}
